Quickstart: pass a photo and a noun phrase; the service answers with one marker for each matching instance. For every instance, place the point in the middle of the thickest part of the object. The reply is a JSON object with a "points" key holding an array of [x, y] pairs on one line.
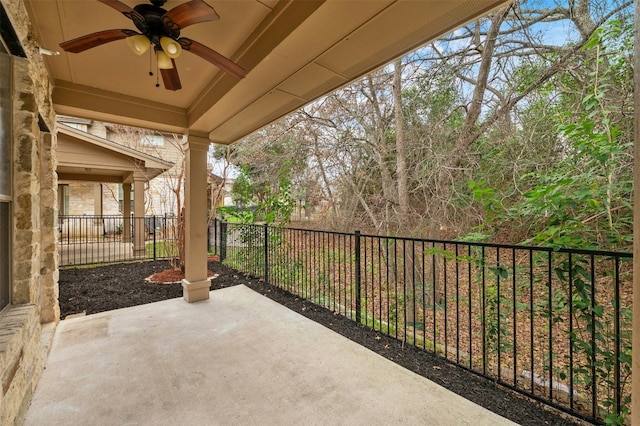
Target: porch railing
{"points": [[106, 239], [554, 325]]}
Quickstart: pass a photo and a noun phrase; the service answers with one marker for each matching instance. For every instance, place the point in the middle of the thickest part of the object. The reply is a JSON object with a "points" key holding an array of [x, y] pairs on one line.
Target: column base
{"points": [[195, 291]]}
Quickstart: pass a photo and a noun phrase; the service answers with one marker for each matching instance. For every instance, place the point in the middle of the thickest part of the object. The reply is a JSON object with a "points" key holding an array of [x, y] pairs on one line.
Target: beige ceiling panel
{"points": [[228, 33], [311, 81], [331, 22], [114, 67], [406, 26], [267, 109], [47, 27], [269, 3], [268, 74]]}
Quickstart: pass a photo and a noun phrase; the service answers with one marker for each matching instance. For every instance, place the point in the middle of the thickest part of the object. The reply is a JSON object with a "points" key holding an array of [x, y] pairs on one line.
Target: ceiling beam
{"points": [[90, 177], [96, 104]]}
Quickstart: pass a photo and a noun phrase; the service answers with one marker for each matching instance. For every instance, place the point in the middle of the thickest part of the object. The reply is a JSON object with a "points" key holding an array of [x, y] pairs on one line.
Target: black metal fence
{"points": [[554, 325], [106, 239]]}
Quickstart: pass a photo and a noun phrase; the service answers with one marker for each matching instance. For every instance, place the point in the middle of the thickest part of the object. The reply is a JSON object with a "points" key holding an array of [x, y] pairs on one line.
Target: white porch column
{"points": [[195, 286], [126, 213], [138, 213]]}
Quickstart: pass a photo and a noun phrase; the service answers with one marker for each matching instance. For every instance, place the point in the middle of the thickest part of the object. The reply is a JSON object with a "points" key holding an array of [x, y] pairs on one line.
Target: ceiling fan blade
{"points": [[212, 56], [189, 13], [89, 41], [170, 78], [124, 9]]}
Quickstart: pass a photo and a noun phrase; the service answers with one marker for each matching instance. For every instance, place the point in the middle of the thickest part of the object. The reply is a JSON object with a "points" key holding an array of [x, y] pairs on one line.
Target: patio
{"points": [[237, 358]]}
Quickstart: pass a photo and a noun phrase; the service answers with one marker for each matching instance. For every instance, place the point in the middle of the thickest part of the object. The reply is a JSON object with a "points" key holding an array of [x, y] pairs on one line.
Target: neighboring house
{"points": [[107, 198], [93, 173]]}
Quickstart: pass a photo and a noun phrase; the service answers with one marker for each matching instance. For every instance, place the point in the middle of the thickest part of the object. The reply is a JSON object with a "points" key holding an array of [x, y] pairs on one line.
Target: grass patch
{"points": [[163, 249]]}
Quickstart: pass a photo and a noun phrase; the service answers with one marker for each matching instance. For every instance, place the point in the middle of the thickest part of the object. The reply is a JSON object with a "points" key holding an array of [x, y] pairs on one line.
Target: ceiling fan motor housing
{"points": [[153, 25]]}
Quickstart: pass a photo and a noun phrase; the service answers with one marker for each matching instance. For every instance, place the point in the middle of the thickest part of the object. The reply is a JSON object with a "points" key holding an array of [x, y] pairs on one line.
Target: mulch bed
{"points": [[93, 290]]}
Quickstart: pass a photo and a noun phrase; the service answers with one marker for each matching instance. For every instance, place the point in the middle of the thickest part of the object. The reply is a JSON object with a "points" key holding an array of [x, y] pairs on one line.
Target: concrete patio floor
{"points": [[236, 359]]}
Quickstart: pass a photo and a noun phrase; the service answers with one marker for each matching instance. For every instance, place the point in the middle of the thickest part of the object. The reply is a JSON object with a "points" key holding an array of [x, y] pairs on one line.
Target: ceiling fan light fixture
{"points": [[171, 47], [164, 61], [138, 44]]}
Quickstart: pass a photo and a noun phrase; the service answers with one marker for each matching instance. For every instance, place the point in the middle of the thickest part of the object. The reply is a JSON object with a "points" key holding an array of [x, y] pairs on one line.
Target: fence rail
{"points": [[554, 325], [106, 239]]}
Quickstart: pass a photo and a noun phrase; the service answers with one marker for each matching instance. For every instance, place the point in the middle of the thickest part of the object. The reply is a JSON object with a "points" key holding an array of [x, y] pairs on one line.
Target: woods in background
{"points": [[515, 128]]}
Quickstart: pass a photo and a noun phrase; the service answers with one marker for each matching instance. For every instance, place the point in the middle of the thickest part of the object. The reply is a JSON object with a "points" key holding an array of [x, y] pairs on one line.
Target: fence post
{"points": [[215, 235], [266, 253], [155, 253], [357, 275], [223, 241]]}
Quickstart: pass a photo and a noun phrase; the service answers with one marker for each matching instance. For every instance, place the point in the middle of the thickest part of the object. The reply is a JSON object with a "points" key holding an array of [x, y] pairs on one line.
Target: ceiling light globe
{"points": [[138, 44], [171, 47], [164, 61]]}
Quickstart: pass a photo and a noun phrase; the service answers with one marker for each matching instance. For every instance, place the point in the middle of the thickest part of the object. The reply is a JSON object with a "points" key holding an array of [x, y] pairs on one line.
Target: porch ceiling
{"points": [[293, 51]]}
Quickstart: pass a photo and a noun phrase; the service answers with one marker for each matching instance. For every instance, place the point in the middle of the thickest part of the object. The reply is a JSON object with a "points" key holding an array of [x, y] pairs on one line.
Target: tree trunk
{"points": [[402, 176]]}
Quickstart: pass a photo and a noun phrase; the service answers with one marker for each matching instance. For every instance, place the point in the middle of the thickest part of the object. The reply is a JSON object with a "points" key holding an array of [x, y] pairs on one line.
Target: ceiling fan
{"points": [[160, 30]]}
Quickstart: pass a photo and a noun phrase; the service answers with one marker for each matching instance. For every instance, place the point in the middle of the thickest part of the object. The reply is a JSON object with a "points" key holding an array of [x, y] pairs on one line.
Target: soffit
{"points": [[294, 52]]}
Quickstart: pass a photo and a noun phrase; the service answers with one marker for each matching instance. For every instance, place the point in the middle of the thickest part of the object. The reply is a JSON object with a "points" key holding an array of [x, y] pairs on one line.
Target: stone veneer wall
{"points": [[110, 201], [82, 198], [27, 325]]}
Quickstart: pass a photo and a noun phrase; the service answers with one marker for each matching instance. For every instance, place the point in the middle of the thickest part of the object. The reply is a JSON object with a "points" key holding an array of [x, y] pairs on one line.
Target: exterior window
{"points": [[82, 127], [5, 240], [5, 124], [63, 200], [121, 198], [153, 140], [5, 178]]}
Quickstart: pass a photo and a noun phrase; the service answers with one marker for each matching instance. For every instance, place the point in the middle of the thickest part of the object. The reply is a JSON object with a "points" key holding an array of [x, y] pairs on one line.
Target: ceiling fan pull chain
{"points": [[150, 62], [157, 75]]}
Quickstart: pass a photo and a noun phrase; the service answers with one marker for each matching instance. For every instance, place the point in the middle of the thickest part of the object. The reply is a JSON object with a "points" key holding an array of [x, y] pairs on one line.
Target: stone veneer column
{"points": [[21, 354], [195, 286], [138, 214], [49, 305], [26, 190]]}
